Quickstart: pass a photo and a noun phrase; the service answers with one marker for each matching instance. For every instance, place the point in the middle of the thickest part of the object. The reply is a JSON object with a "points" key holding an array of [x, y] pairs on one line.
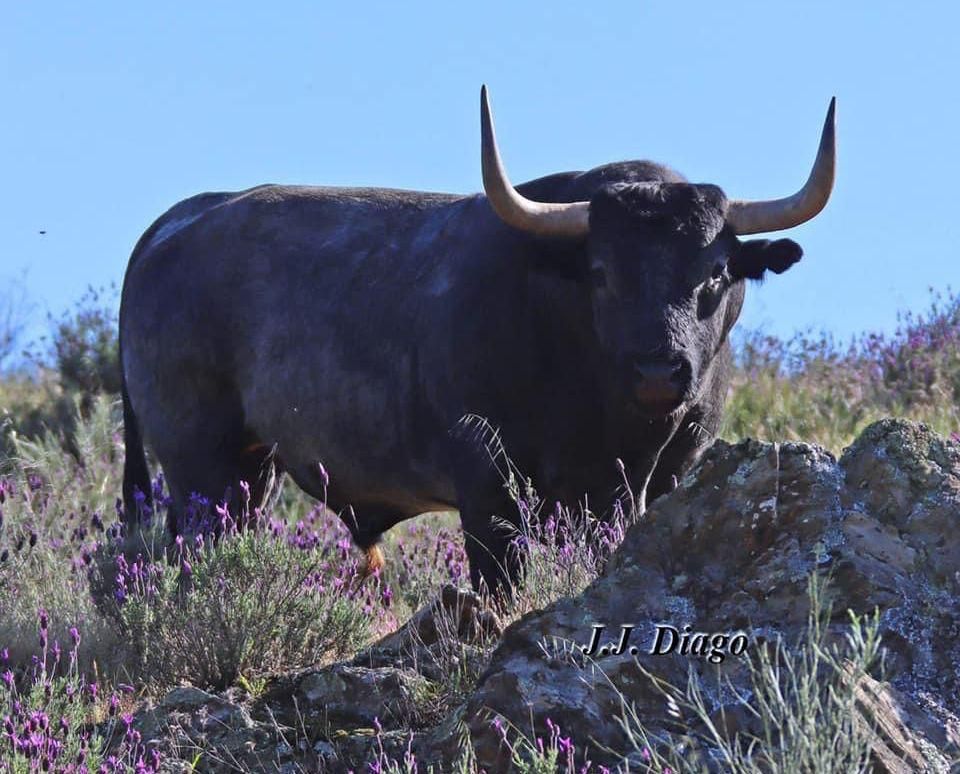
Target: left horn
{"points": [[778, 214], [542, 218]]}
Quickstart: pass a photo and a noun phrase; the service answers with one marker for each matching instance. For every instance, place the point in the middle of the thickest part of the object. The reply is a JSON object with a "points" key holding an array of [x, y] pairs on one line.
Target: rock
{"points": [[345, 697], [905, 740], [453, 632], [189, 724], [731, 549], [354, 752]]}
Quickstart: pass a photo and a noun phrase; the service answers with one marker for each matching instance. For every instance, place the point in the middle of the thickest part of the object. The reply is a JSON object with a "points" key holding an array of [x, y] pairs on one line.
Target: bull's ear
{"points": [[756, 256]]}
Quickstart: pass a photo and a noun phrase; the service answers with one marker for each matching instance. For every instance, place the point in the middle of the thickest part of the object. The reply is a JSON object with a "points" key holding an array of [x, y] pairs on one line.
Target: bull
{"points": [[585, 314]]}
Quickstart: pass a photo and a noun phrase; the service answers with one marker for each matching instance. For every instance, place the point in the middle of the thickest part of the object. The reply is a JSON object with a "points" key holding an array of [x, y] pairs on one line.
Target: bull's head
{"points": [[666, 267]]}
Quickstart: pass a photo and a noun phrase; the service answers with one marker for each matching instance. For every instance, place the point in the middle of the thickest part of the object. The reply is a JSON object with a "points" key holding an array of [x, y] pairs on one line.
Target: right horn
{"points": [[543, 218], [747, 217]]}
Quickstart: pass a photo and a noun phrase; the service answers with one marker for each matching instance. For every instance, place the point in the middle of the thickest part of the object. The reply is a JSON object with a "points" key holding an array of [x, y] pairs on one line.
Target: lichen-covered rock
{"points": [[731, 550], [215, 732], [452, 632], [905, 739], [343, 697]]}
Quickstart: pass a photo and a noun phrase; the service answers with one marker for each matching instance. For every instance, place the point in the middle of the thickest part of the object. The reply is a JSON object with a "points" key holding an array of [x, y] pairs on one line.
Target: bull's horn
{"points": [[778, 214], [543, 218]]}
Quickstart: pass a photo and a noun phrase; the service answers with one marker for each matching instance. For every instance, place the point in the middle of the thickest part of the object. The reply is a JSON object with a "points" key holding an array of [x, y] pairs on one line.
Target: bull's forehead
{"points": [[692, 215]]}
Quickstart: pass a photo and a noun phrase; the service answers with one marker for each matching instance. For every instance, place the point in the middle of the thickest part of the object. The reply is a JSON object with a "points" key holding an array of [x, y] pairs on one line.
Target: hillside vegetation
{"points": [[91, 625]]}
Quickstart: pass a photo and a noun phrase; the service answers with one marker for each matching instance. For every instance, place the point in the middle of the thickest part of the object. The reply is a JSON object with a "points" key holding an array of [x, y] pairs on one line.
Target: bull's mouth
{"points": [[657, 399], [661, 408]]}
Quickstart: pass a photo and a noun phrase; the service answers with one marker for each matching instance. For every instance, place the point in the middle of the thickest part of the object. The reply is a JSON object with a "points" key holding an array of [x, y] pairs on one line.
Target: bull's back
{"points": [[309, 310]]}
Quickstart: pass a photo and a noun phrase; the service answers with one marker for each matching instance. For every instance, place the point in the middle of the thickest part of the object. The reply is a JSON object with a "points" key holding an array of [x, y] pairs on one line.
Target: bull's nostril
{"points": [[654, 370]]}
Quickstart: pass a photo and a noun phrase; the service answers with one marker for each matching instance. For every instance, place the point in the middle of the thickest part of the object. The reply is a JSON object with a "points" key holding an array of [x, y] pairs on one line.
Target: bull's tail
{"points": [[136, 475]]}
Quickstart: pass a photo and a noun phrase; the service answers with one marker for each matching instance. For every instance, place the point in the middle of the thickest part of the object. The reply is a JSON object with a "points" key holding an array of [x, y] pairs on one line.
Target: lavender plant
{"points": [[55, 718], [243, 603]]}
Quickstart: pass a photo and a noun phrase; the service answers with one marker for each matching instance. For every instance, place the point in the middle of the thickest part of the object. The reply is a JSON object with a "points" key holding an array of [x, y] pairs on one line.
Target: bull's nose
{"points": [[660, 383]]}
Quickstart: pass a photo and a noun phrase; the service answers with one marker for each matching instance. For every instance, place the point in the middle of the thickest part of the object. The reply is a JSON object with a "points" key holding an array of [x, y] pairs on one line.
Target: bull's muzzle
{"points": [[659, 386]]}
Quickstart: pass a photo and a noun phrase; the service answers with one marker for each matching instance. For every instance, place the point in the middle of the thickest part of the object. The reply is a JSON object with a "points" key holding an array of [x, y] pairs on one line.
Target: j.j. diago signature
{"points": [[668, 639]]}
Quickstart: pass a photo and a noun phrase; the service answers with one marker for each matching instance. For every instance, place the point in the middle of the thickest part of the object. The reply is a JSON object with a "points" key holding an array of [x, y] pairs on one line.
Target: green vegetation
{"points": [[812, 389]]}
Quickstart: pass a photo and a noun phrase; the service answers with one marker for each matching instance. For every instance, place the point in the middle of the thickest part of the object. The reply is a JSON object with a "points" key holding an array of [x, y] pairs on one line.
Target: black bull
{"points": [[585, 314]]}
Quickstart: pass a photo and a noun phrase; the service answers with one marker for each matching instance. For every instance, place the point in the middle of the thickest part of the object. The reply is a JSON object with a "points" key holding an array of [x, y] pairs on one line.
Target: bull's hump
{"points": [[277, 194], [582, 185]]}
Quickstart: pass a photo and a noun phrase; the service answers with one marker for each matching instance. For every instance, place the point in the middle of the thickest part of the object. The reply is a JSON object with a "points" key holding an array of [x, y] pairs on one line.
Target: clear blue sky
{"points": [[114, 111]]}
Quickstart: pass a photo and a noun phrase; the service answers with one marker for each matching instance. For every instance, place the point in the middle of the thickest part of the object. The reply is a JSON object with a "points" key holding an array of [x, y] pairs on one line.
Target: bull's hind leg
{"points": [[202, 455], [219, 473]]}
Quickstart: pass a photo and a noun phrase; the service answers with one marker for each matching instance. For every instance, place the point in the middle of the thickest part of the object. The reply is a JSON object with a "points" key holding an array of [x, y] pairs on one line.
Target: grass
{"points": [[804, 697], [91, 621]]}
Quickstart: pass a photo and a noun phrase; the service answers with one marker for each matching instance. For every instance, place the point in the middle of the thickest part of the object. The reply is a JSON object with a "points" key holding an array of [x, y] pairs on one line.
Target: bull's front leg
{"points": [[495, 549]]}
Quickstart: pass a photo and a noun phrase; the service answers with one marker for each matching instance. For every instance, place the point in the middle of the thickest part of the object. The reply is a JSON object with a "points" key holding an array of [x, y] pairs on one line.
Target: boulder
{"points": [[731, 550]]}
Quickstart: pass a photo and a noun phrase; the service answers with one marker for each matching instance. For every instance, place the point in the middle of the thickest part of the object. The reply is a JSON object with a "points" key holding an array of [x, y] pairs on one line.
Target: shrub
{"points": [[15, 312], [85, 349], [241, 604], [80, 363], [55, 513]]}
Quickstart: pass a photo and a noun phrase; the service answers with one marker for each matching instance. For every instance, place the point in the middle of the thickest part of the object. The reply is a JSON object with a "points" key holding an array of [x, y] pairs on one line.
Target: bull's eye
{"points": [[718, 269], [598, 278]]}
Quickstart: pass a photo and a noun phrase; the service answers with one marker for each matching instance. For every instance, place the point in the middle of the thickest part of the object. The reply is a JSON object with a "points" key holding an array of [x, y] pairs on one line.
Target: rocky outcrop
{"points": [[216, 733], [731, 550]]}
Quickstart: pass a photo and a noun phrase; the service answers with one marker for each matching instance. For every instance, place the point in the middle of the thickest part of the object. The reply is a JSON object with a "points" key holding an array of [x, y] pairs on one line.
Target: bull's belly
{"points": [[398, 491], [347, 459]]}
